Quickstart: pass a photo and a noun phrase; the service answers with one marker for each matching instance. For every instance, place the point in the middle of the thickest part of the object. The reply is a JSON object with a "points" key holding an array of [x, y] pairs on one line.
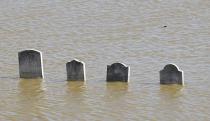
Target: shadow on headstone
{"points": [[30, 64], [171, 74], [118, 72], [75, 70]]}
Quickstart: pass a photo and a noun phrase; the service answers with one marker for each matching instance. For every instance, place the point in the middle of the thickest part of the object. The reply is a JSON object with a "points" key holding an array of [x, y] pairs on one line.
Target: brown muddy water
{"points": [[101, 32]]}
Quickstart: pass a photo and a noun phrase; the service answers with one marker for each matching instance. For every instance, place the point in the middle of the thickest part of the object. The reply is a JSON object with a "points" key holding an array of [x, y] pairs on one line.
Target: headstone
{"points": [[118, 72], [75, 70], [30, 64], [171, 75]]}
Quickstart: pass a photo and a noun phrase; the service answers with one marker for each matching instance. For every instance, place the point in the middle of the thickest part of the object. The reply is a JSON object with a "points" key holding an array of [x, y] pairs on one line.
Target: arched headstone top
{"points": [[30, 64], [171, 67], [118, 72], [171, 74], [119, 64], [30, 51]]}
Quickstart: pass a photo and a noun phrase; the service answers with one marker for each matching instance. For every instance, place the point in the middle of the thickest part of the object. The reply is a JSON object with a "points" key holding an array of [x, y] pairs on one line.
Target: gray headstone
{"points": [[75, 70], [171, 75], [118, 72], [30, 64]]}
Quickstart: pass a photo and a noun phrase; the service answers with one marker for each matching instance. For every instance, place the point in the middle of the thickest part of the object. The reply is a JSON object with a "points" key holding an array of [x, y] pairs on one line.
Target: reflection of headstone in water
{"points": [[31, 100], [30, 64], [75, 86], [75, 70], [171, 75], [118, 72], [117, 86], [171, 90], [31, 87]]}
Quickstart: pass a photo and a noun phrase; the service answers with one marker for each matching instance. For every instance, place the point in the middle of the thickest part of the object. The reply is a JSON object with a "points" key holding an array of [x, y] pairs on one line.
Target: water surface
{"points": [[101, 32]]}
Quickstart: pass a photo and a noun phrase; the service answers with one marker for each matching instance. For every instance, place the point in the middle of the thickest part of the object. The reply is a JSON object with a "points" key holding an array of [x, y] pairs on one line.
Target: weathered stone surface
{"points": [[75, 70], [118, 72], [171, 75], [30, 64]]}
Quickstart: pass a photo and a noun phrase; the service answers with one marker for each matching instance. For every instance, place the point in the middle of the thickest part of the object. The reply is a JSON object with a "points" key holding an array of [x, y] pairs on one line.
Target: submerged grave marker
{"points": [[118, 72], [75, 70], [30, 64], [171, 74]]}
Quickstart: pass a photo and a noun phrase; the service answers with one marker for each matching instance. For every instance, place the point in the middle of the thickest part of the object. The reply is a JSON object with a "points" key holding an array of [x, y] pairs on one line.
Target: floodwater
{"points": [[143, 34]]}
